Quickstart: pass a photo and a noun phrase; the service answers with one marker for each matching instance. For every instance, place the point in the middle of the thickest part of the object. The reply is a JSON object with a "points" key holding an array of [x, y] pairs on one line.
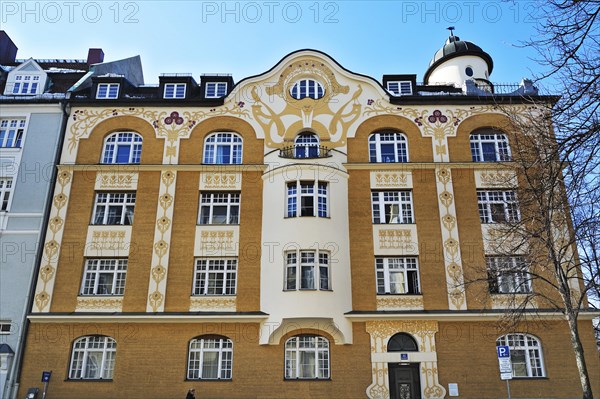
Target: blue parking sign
{"points": [[46, 376], [503, 351]]}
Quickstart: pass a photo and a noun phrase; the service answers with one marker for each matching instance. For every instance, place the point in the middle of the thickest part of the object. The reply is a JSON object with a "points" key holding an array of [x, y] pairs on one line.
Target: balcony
{"points": [[303, 151]]}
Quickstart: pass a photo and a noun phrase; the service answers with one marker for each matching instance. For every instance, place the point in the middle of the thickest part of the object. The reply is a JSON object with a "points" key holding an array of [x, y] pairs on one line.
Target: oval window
{"points": [[307, 88], [469, 71]]}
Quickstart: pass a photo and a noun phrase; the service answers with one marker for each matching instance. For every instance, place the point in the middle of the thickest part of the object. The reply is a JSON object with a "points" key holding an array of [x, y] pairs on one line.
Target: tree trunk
{"points": [[584, 378]]}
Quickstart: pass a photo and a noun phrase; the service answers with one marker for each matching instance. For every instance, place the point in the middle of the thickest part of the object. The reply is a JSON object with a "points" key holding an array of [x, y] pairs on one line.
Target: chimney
{"points": [[95, 56], [8, 50]]}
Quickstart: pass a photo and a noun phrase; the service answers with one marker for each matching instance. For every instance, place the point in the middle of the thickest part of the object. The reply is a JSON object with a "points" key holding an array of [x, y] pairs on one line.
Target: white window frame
{"points": [[306, 145], [299, 191], [123, 202], [307, 88], [215, 276], [86, 350], [174, 90], [5, 328], [12, 132], [396, 139], [26, 84], [305, 347], [215, 89], [216, 144], [107, 91], [207, 347], [498, 206], [400, 87], [6, 190], [490, 137], [508, 274], [209, 200], [526, 355], [392, 207], [97, 269], [129, 141], [396, 275], [307, 269]]}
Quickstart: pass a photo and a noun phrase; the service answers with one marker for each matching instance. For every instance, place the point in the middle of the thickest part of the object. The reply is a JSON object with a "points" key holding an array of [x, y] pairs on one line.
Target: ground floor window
{"points": [[307, 357], [525, 354], [210, 358], [93, 358]]}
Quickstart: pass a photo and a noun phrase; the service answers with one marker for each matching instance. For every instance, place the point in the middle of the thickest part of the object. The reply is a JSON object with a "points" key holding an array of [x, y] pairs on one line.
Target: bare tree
{"points": [[546, 239]]}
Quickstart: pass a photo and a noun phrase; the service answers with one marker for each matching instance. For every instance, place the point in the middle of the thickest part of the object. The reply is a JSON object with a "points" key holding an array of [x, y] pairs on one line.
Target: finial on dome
{"points": [[452, 38]]}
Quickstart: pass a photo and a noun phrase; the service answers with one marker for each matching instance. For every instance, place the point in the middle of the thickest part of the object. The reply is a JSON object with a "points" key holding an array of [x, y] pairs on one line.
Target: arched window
{"points": [[223, 148], [525, 354], [402, 342], [307, 88], [388, 147], [489, 145], [93, 358], [307, 357], [210, 358], [306, 145], [122, 147]]}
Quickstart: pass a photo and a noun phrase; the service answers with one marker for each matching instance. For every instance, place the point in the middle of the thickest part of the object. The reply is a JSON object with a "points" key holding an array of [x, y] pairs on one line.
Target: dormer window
{"points": [[107, 91], [216, 89], [26, 84], [400, 88], [174, 90], [307, 88]]}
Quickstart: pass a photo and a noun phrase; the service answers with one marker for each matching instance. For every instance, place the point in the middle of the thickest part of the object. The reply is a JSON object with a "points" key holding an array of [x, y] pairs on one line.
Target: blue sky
{"points": [[248, 37]]}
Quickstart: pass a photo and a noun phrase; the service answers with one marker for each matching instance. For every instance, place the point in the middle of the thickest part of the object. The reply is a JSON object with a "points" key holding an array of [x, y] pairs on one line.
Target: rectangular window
{"points": [[114, 209], [104, 277], [6, 185], [392, 207], [304, 200], [26, 84], [313, 271], [215, 277], [400, 88], [11, 132], [498, 206], [5, 328], [174, 90], [107, 90], [216, 89], [219, 208], [397, 275], [508, 275]]}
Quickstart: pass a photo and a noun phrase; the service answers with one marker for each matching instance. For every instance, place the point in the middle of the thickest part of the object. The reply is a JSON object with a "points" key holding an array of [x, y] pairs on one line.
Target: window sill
{"points": [[307, 379], [213, 295], [394, 224], [217, 224], [208, 379], [530, 378], [405, 294], [307, 216]]}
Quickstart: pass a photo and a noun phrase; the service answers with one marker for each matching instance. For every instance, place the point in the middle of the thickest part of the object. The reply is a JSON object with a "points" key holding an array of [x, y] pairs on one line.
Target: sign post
{"points": [[46, 379], [505, 365]]}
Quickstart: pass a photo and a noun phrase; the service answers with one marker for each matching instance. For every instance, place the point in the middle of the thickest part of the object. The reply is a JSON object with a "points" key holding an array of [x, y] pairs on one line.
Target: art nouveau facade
{"points": [[304, 233]]}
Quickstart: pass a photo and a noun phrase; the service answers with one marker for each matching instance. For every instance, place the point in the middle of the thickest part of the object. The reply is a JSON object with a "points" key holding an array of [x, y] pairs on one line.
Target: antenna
{"points": [[451, 29]]}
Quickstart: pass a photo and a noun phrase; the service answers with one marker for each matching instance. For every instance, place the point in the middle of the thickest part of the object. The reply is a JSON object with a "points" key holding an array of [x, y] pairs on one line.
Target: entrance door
{"points": [[404, 381]]}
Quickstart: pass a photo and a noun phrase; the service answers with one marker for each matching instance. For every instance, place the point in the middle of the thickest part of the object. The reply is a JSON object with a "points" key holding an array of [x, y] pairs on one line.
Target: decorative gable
{"points": [[26, 79]]}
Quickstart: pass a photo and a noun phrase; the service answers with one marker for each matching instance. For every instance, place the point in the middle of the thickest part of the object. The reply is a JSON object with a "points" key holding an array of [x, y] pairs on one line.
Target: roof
{"points": [[454, 47], [5, 348]]}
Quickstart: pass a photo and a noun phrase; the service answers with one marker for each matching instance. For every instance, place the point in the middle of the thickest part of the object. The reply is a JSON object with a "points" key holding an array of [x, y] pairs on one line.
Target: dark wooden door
{"points": [[404, 381]]}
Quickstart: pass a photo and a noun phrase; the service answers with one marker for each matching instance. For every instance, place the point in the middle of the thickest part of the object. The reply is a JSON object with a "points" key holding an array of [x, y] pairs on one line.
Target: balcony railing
{"points": [[301, 151]]}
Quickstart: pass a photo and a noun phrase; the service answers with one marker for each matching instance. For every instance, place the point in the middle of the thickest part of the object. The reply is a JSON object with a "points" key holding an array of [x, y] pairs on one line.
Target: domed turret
{"points": [[458, 61]]}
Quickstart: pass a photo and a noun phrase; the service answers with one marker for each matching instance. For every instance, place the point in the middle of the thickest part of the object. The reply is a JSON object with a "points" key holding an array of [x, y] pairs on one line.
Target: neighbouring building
{"points": [[302, 233], [33, 115]]}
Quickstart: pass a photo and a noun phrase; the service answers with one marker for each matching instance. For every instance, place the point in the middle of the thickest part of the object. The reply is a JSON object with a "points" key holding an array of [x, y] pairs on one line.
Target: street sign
{"points": [[504, 362], [506, 376], [46, 376]]}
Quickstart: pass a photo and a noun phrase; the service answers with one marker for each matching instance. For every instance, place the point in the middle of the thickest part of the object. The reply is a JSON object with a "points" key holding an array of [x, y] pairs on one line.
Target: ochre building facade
{"points": [[305, 233]]}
